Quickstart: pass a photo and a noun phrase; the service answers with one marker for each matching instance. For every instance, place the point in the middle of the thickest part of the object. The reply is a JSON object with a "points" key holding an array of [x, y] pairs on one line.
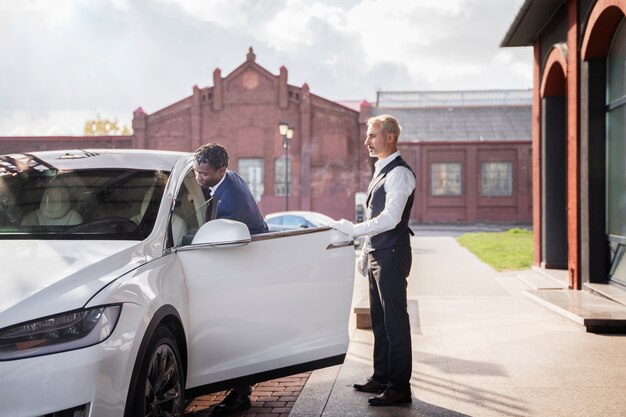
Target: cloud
{"points": [[112, 56]]}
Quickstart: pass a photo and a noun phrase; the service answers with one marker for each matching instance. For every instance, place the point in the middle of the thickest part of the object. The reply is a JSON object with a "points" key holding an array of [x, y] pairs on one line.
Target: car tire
{"points": [[160, 385]]}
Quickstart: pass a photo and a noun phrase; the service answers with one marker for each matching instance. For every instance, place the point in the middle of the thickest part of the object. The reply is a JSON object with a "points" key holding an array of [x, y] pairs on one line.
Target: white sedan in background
{"points": [[118, 299], [292, 220]]}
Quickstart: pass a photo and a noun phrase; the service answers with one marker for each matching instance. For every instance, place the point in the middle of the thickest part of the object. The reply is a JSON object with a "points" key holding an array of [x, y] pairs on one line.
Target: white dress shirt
{"points": [[399, 184], [217, 185]]}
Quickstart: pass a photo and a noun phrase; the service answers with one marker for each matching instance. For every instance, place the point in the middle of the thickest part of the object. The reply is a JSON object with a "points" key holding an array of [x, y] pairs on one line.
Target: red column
{"points": [[573, 167], [536, 155]]}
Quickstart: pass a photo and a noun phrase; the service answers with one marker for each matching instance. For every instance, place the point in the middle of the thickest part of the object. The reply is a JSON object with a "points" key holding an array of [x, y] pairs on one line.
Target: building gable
{"points": [[250, 83]]}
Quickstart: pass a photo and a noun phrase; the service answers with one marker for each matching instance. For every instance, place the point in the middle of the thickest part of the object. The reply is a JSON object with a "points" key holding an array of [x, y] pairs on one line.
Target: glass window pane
{"points": [[295, 221], [616, 151], [497, 179], [616, 173], [617, 65], [251, 170], [445, 178], [282, 178]]}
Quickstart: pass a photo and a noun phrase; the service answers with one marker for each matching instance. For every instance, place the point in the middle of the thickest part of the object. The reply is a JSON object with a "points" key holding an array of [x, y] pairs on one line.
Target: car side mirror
{"points": [[222, 232]]}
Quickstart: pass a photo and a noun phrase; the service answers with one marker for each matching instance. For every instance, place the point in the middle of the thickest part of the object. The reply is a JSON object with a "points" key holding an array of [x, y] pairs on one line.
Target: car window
{"points": [[278, 220], [189, 212], [319, 219], [41, 202], [296, 221]]}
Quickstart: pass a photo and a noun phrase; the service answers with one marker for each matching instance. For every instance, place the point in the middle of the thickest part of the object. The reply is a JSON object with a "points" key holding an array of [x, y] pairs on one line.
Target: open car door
{"points": [[267, 306]]}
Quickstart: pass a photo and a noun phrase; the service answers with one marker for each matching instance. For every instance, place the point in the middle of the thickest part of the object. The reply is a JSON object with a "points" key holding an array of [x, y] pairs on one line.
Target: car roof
{"points": [[290, 213], [79, 159], [314, 214]]}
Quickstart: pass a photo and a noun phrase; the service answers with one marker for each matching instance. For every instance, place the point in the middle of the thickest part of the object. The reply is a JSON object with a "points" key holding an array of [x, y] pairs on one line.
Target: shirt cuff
{"points": [[360, 229]]}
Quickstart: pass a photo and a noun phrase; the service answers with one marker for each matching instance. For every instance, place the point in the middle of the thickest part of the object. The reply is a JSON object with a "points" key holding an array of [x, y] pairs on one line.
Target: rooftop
{"points": [[459, 116], [423, 99]]}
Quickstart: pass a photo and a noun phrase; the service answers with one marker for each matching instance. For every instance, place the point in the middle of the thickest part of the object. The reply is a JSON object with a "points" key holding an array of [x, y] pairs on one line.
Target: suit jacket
{"points": [[236, 202]]}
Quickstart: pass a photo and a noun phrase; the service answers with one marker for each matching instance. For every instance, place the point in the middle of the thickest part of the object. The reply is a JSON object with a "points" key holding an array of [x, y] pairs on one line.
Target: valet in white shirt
{"points": [[386, 261]]}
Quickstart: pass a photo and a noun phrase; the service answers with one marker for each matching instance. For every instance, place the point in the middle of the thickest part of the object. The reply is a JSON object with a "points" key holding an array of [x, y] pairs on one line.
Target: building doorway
{"points": [[554, 242]]}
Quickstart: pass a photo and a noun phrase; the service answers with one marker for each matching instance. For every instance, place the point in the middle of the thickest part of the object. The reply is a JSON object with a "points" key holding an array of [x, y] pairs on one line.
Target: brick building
{"points": [[579, 139], [470, 150], [327, 163], [13, 144]]}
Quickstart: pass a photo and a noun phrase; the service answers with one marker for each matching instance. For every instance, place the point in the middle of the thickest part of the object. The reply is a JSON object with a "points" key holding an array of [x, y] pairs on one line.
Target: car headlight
{"points": [[67, 331]]}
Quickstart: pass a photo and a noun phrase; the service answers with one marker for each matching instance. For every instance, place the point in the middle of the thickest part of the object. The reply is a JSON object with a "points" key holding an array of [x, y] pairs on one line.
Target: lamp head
{"points": [[282, 128]]}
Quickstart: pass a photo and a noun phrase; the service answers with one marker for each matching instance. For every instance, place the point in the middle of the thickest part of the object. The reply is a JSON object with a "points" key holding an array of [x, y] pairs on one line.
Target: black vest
{"points": [[399, 235]]}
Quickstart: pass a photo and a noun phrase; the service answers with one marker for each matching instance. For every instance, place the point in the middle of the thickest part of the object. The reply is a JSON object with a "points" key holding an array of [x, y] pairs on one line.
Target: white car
{"points": [[290, 220], [117, 299]]}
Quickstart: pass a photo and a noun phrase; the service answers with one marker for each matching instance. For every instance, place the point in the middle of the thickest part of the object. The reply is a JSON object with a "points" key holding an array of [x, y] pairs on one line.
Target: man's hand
{"points": [[343, 226], [361, 263]]}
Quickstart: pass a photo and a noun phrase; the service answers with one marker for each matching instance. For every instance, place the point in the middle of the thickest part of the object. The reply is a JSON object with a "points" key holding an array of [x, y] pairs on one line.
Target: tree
{"points": [[105, 127]]}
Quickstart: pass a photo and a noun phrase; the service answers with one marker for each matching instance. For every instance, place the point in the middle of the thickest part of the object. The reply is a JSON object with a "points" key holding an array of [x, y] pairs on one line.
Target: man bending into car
{"points": [[235, 202]]}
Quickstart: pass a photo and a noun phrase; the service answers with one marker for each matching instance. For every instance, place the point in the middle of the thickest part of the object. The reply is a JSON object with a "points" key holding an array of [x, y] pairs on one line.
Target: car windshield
{"points": [[38, 201]]}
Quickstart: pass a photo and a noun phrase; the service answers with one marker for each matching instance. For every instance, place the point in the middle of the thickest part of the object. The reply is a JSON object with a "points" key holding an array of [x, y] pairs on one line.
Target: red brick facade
{"points": [[44, 143], [471, 206]]}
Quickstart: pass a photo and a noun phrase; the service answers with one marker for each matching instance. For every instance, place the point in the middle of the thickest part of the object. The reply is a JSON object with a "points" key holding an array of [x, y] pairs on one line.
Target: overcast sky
{"points": [[63, 61]]}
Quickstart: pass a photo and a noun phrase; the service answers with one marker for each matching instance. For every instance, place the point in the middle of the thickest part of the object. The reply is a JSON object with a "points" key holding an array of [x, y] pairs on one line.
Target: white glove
{"points": [[344, 226], [361, 264]]}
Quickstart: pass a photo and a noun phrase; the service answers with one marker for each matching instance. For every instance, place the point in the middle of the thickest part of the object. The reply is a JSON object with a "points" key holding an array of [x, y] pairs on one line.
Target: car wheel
{"points": [[160, 387]]}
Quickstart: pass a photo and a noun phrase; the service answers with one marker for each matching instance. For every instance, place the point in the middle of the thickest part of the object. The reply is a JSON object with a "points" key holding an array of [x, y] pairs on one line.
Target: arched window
{"points": [[616, 152]]}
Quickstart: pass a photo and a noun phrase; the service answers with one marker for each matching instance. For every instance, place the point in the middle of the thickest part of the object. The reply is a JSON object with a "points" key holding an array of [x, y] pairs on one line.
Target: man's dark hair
{"points": [[213, 154]]}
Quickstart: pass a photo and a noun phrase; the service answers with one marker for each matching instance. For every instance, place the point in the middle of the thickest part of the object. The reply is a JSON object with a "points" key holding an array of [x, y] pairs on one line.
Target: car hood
{"points": [[39, 278]]}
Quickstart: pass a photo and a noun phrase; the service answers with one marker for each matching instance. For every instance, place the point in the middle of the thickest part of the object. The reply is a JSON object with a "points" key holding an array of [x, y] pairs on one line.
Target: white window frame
{"points": [[251, 170]]}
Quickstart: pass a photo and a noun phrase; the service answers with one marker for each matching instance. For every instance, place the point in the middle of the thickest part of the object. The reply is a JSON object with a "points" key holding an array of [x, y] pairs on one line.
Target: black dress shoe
{"points": [[370, 386], [231, 404], [391, 397]]}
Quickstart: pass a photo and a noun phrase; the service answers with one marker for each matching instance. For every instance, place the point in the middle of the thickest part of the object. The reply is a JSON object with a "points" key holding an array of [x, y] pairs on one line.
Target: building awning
{"points": [[530, 20]]}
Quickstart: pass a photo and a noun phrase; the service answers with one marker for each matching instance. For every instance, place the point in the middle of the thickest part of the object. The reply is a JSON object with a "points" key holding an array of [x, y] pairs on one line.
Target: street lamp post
{"points": [[286, 131]]}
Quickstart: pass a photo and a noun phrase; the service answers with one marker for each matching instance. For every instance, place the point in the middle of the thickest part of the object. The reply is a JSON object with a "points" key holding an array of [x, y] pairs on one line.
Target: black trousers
{"points": [[243, 389], [388, 272]]}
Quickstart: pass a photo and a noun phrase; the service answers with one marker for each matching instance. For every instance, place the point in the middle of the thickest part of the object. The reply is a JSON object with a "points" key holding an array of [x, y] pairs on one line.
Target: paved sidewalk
{"points": [[480, 348]]}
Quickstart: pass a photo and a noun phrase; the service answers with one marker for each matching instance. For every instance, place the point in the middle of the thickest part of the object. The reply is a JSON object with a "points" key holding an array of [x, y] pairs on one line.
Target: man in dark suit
{"points": [[229, 191], [234, 201], [386, 261]]}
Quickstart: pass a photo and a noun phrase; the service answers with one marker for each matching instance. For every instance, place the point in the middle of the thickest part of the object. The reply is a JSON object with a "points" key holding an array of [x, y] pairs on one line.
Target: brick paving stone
{"points": [[267, 398], [273, 398], [288, 398], [275, 404], [281, 410]]}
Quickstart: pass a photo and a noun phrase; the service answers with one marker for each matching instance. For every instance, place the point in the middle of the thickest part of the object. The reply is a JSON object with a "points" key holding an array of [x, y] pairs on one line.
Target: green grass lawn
{"points": [[503, 251]]}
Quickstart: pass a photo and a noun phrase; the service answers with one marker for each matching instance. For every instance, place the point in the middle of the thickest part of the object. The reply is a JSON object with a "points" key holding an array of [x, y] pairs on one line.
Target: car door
{"points": [[279, 301]]}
